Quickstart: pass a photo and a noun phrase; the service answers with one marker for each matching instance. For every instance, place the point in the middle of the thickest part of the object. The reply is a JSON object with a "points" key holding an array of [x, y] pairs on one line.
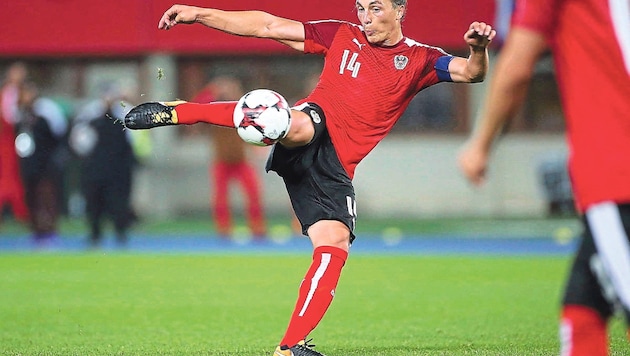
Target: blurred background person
{"points": [[230, 163], [590, 44], [11, 189], [40, 143], [107, 163]]}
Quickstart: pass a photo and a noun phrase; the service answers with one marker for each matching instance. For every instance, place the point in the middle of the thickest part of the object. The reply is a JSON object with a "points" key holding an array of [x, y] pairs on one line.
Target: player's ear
{"points": [[400, 12]]}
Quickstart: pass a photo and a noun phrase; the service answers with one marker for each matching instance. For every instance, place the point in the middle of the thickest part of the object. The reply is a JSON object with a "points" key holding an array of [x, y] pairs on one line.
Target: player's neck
{"points": [[393, 40]]}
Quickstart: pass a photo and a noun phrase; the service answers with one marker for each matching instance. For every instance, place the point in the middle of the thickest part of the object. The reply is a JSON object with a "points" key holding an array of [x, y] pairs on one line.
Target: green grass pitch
{"points": [[209, 304]]}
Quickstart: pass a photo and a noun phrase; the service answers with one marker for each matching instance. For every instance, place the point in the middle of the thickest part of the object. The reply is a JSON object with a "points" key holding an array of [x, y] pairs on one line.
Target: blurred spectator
{"points": [[107, 162], [40, 144], [230, 163], [11, 189]]}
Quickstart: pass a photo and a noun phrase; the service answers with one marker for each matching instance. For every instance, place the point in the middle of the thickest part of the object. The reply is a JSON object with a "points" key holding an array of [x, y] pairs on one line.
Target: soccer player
{"points": [[590, 44], [371, 73]]}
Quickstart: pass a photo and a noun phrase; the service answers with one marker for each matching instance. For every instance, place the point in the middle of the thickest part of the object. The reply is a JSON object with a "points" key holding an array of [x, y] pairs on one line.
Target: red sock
{"points": [[583, 332], [217, 113], [316, 293]]}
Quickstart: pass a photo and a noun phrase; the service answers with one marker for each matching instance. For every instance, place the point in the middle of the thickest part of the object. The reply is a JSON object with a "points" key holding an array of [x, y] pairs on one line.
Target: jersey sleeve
{"points": [[536, 15], [319, 35], [436, 66]]}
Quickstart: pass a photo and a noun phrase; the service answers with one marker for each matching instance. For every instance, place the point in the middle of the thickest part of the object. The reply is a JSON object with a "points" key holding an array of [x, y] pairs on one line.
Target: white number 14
{"points": [[352, 65]]}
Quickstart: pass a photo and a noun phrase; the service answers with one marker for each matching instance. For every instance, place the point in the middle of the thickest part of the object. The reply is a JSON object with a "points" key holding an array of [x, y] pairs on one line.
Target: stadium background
{"points": [[71, 46]]}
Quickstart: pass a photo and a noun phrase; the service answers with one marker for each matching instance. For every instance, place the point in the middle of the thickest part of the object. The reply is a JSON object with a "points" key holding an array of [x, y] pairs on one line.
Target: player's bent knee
{"points": [[301, 131], [330, 233]]}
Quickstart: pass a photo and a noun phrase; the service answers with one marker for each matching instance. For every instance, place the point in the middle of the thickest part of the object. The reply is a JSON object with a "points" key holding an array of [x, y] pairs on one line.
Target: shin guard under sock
{"points": [[316, 293], [218, 113]]}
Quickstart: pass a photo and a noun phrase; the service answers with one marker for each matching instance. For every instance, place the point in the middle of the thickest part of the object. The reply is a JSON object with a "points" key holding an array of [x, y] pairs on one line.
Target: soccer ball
{"points": [[262, 117]]}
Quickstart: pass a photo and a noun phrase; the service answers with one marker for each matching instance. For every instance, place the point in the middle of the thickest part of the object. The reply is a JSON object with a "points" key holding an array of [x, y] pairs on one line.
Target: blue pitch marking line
{"points": [[421, 245]]}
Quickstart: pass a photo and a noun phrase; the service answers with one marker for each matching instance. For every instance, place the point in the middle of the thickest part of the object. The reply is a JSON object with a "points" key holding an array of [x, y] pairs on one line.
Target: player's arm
{"points": [[474, 68], [241, 23], [506, 93]]}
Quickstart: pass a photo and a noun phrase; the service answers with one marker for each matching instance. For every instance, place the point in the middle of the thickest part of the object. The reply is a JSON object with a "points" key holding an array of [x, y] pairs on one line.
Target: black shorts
{"points": [[317, 183], [598, 277]]}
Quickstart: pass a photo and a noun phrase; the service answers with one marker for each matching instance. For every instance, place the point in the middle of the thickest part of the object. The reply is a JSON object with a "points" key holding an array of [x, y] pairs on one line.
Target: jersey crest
{"points": [[400, 62]]}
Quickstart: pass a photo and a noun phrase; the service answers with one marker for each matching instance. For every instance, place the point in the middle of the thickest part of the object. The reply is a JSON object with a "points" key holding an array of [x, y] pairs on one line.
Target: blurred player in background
{"points": [[590, 43], [41, 146], [11, 188], [230, 162], [370, 75]]}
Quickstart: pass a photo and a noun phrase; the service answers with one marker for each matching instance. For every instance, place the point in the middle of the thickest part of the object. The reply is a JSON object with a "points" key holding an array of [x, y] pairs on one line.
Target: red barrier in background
{"points": [[129, 27]]}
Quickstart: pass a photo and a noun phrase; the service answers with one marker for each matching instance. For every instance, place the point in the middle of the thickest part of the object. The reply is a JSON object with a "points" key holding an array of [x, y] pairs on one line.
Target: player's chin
{"points": [[373, 39]]}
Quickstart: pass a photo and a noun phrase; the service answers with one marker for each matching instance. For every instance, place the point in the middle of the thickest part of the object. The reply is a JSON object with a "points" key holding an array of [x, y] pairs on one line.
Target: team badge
{"points": [[400, 62]]}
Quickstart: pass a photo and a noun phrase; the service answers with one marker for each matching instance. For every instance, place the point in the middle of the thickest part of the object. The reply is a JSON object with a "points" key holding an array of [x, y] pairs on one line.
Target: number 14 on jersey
{"points": [[350, 63]]}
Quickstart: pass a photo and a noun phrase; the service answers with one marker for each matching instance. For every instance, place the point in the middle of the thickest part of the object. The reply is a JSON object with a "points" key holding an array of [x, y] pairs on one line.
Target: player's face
{"points": [[380, 21]]}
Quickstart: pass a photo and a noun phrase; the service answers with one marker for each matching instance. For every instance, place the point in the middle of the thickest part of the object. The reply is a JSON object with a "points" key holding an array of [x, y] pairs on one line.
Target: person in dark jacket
{"points": [[107, 162]]}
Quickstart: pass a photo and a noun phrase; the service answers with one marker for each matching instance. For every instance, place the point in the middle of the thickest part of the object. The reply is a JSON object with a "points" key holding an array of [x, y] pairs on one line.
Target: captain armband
{"points": [[441, 68]]}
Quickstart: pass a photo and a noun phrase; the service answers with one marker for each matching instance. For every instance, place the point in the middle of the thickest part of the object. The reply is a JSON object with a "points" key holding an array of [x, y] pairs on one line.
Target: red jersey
{"points": [[590, 42], [364, 89]]}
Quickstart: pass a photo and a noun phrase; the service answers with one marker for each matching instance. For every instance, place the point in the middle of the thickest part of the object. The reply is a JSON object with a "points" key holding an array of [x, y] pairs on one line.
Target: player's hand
{"points": [[178, 14], [479, 35], [472, 161]]}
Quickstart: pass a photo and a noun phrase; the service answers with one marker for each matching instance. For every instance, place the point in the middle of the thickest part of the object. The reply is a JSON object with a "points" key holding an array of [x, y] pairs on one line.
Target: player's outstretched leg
{"points": [[154, 114]]}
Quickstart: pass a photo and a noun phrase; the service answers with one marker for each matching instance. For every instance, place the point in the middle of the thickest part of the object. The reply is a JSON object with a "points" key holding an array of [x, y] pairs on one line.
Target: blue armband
{"points": [[441, 68]]}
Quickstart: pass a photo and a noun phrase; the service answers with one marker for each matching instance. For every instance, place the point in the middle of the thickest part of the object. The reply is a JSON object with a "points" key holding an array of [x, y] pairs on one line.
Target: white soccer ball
{"points": [[262, 117]]}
